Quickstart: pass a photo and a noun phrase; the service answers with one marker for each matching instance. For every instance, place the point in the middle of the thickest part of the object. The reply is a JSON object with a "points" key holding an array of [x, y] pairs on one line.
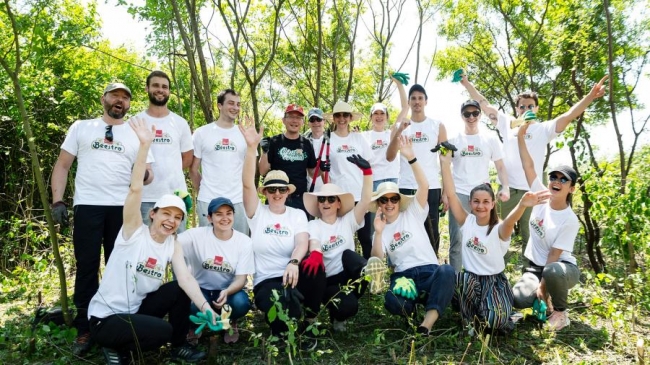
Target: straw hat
{"points": [[311, 200], [343, 107], [389, 188], [277, 178]]}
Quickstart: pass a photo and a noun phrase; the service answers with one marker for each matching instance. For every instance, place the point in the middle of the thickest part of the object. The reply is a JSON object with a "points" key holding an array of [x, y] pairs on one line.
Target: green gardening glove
{"points": [[205, 319], [458, 75], [529, 115], [402, 77], [187, 198], [539, 309], [406, 288]]}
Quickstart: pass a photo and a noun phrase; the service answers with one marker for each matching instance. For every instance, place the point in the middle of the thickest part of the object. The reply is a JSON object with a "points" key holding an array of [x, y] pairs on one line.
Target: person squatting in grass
{"points": [[482, 289], [400, 233], [126, 314], [220, 258], [280, 242], [333, 232]]}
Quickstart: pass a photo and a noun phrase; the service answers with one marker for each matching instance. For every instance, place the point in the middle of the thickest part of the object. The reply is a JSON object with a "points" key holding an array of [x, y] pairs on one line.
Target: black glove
{"points": [[361, 162], [325, 166], [60, 213], [444, 147], [264, 144], [293, 296]]}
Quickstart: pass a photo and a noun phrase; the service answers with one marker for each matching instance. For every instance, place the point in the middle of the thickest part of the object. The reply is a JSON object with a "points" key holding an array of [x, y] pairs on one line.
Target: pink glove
{"points": [[313, 263]]}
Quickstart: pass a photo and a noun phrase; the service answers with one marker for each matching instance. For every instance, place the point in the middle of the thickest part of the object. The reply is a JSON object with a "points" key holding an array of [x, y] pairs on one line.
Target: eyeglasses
{"points": [[315, 120], [109, 133], [273, 189], [529, 107], [330, 199], [563, 179], [393, 199], [344, 115], [474, 114]]}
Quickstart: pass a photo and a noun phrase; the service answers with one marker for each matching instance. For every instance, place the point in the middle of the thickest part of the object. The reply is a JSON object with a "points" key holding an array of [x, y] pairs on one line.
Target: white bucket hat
{"points": [[389, 187], [342, 107], [311, 200]]}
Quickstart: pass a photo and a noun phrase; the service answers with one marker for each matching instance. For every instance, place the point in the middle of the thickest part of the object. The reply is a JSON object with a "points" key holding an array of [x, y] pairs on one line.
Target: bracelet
{"points": [[411, 162], [204, 303]]}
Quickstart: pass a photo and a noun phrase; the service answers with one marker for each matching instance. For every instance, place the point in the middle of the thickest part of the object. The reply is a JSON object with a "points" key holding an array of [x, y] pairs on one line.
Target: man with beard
{"points": [[105, 149], [172, 146]]}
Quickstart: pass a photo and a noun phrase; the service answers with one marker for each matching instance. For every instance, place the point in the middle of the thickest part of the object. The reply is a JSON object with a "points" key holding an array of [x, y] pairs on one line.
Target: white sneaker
{"points": [[339, 326], [376, 269], [558, 320]]}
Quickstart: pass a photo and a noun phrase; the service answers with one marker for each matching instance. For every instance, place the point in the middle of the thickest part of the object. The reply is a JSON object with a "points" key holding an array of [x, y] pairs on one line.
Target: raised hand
{"points": [[403, 124], [599, 89], [361, 162], [530, 199], [380, 221], [406, 148], [444, 147], [247, 128], [523, 130], [144, 133]]}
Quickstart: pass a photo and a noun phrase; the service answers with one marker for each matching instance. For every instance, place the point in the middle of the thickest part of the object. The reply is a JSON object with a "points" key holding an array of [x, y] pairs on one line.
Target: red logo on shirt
{"points": [[332, 239], [418, 134], [159, 133], [218, 260], [470, 148], [277, 226], [380, 142], [345, 147], [475, 241], [397, 236], [540, 223], [225, 141], [151, 263]]}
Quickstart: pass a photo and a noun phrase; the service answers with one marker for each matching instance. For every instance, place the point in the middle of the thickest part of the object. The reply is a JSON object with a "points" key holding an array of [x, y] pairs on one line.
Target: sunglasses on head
{"points": [[315, 120], [273, 189], [109, 133], [346, 115], [330, 199], [529, 107], [474, 114], [563, 179], [393, 199]]}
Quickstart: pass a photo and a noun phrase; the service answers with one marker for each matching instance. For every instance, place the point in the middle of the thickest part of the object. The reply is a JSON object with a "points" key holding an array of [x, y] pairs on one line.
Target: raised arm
{"points": [[526, 160], [562, 121], [450, 189], [395, 134], [379, 224], [487, 108], [131, 212], [252, 137], [406, 149], [404, 101], [366, 190], [530, 199]]}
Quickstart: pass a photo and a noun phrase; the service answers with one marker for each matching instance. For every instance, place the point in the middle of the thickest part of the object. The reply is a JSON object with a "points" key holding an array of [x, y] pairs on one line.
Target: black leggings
{"points": [[364, 235], [347, 303]]}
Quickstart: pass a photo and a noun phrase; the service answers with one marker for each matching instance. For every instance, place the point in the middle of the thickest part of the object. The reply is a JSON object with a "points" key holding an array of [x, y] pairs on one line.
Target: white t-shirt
{"points": [[425, 137], [471, 163], [550, 228], [273, 238], [173, 137], [334, 239], [136, 268], [222, 152], [406, 242], [381, 168], [482, 254], [213, 262], [317, 143], [537, 137], [103, 167], [343, 172]]}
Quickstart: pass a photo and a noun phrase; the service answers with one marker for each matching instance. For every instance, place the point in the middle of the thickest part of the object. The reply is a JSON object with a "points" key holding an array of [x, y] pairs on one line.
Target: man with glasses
{"points": [[172, 145], [105, 149], [290, 152], [537, 137]]}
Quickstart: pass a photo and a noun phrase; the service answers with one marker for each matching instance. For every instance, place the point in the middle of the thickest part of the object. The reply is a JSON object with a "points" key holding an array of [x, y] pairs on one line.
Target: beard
{"points": [[116, 114], [156, 102]]}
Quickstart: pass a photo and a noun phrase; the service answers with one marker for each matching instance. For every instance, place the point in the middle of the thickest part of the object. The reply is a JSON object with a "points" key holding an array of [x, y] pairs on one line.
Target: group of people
{"points": [[298, 243]]}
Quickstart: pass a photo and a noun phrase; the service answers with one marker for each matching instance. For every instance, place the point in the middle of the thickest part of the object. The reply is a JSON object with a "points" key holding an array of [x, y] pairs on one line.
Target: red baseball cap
{"points": [[294, 108]]}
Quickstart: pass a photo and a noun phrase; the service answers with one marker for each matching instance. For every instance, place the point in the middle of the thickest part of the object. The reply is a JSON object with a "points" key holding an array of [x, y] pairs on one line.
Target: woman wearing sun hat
{"points": [[343, 144], [400, 233], [333, 231], [280, 241]]}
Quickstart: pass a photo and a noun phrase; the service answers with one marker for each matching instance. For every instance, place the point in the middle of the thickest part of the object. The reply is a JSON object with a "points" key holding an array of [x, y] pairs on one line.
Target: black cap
{"points": [[567, 171], [473, 103], [419, 88]]}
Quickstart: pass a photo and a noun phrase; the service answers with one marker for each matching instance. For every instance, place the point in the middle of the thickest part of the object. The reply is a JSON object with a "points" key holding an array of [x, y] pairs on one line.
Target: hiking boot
{"points": [[376, 269], [82, 344], [234, 337], [558, 320], [112, 357], [187, 353], [339, 326]]}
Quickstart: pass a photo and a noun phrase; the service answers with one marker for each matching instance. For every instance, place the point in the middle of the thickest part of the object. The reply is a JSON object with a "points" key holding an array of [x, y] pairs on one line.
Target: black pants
{"points": [[146, 330], [94, 226], [343, 304], [295, 201], [431, 225], [311, 287], [365, 237]]}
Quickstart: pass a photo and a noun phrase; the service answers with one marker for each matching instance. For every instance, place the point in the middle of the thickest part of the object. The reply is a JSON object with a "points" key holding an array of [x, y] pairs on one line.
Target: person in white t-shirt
{"points": [[333, 231], [539, 135], [400, 234], [127, 312], [552, 269], [219, 150], [105, 149], [482, 289], [280, 242], [220, 260], [172, 147], [471, 167], [343, 144]]}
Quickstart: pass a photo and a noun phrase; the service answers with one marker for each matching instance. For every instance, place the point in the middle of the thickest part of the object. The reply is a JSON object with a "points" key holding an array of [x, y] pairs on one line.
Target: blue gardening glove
{"points": [[539, 309], [325, 166], [264, 144], [205, 319], [187, 198], [458, 75], [60, 213], [406, 288], [444, 147]]}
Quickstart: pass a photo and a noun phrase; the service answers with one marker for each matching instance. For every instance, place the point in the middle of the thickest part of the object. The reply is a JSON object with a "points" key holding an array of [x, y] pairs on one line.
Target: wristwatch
{"points": [[293, 261]]}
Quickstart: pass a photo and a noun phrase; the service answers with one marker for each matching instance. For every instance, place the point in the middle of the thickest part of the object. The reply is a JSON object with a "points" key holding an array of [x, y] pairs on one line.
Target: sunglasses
{"points": [[563, 179], [273, 189], [345, 115], [393, 199], [109, 133], [529, 107], [315, 120], [474, 114], [330, 199]]}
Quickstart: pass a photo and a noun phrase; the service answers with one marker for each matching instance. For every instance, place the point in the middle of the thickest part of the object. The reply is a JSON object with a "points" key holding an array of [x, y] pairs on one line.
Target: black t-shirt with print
{"points": [[294, 157]]}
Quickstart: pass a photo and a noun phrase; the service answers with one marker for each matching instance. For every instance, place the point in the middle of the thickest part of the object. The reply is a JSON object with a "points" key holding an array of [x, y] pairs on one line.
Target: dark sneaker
{"points": [[422, 331], [113, 357], [82, 344], [187, 353]]}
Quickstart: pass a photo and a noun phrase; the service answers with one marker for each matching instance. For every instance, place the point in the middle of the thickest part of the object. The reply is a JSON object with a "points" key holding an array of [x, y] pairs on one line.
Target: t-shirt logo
{"points": [[419, 137], [218, 260], [277, 230], [334, 242], [217, 264], [399, 239], [538, 227], [151, 263], [379, 144], [150, 268], [103, 144], [292, 155], [162, 137], [471, 151], [225, 145], [346, 149], [477, 246]]}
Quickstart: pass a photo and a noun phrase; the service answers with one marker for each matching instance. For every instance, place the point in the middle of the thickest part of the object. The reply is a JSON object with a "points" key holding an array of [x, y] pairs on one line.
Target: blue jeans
{"points": [[435, 285], [238, 302]]}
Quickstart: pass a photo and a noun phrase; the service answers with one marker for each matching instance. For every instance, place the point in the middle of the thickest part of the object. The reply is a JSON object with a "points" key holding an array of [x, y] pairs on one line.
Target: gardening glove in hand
{"points": [[539, 309], [187, 198], [362, 163], [313, 263], [405, 287], [458, 75], [325, 166], [402, 77], [293, 296], [529, 115], [60, 213], [205, 319], [444, 147], [264, 144]]}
